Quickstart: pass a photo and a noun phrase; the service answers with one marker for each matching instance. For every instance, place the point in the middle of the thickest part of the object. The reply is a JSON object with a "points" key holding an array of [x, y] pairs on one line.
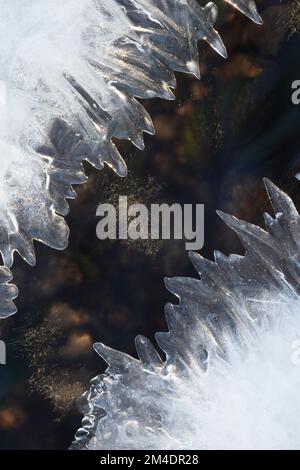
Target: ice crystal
{"points": [[69, 78], [230, 376]]}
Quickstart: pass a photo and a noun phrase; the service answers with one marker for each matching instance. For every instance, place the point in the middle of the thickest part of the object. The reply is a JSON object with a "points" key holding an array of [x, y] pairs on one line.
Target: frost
{"points": [[230, 377], [70, 72]]}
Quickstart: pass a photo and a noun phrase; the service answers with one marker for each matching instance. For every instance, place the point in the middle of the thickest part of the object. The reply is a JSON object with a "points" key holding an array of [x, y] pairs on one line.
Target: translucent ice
{"points": [[247, 7], [8, 292], [69, 75], [231, 373]]}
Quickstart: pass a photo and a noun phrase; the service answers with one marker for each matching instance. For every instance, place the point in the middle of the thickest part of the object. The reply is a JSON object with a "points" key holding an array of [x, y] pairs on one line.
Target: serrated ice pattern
{"points": [[231, 373], [70, 73]]}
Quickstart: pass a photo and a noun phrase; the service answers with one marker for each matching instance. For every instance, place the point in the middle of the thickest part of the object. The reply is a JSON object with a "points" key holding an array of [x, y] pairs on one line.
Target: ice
{"points": [[8, 292], [70, 73], [230, 373], [247, 7]]}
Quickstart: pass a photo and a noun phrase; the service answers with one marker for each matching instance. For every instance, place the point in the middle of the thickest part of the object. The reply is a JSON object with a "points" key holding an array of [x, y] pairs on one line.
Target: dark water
{"points": [[213, 146]]}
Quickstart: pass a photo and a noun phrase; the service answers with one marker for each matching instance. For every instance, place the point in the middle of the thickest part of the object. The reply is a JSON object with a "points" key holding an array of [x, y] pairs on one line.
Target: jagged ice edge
{"points": [[227, 380], [59, 109], [8, 292]]}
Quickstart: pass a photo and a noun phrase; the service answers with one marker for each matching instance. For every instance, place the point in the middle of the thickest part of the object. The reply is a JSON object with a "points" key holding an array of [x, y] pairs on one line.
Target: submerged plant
{"points": [[230, 376], [70, 75]]}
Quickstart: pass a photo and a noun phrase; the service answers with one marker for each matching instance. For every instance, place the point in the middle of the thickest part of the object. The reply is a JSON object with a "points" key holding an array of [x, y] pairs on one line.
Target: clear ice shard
{"points": [[247, 7], [230, 375], [69, 77]]}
